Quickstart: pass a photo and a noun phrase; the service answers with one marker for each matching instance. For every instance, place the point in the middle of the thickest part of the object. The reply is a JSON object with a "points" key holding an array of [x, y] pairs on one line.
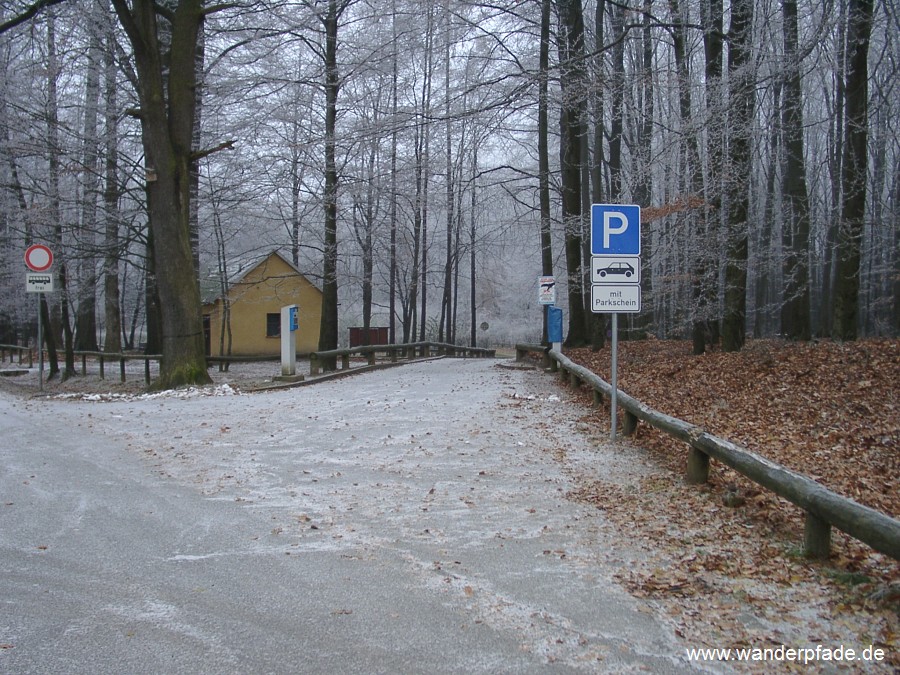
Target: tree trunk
{"points": [[166, 91], [853, 176], [768, 248], [55, 210], [196, 144], [472, 223], [574, 90], [705, 291], [86, 312], [741, 101], [423, 284], [543, 157], [447, 296], [328, 331], [693, 173], [368, 248], [392, 285], [835, 163], [598, 321], [112, 341], [153, 311], [643, 189], [363, 229], [49, 337], [895, 284], [296, 169], [617, 112], [795, 317], [225, 333]]}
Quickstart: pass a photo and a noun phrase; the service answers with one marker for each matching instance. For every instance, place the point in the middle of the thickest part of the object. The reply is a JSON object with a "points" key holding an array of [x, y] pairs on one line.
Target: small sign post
{"points": [[546, 298], [615, 274], [39, 259]]}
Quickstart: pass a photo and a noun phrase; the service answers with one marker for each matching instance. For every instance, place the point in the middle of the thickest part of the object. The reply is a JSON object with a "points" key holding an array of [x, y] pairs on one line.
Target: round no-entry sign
{"points": [[39, 258]]}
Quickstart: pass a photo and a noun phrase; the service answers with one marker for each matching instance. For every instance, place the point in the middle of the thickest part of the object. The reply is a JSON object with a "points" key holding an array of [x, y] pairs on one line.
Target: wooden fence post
{"points": [[630, 426], [817, 537], [697, 467]]}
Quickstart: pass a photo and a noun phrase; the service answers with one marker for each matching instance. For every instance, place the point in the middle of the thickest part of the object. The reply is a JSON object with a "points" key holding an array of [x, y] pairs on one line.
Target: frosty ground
{"points": [[416, 519], [406, 520]]}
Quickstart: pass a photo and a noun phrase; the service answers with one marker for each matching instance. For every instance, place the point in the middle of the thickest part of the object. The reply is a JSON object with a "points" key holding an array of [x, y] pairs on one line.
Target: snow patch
{"points": [[188, 392], [552, 398]]}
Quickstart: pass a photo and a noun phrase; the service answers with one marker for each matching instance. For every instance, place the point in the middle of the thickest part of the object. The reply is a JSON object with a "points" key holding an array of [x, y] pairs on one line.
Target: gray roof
{"points": [[241, 266]]}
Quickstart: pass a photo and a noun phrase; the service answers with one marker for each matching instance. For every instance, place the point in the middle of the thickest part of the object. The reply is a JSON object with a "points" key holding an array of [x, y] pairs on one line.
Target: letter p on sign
{"points": [[615, 229], [608, 218]]}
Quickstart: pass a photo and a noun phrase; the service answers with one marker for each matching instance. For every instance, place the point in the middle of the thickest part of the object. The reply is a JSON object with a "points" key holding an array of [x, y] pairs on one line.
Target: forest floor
{"points": [[828, 410]]}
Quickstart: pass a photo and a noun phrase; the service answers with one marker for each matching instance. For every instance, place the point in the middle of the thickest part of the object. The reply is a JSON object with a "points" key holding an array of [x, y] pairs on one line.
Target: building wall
{"points": [[262, 291]]}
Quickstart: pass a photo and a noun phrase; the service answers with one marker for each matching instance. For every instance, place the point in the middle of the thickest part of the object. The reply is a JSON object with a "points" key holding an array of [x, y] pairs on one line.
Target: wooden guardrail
{"points": [[9, 351], [103, 357], [824, 509], [408, 350]]}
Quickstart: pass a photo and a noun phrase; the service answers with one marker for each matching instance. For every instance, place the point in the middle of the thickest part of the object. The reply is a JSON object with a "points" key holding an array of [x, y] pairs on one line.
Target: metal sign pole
{"points": [[40, 344], [615, 374]]}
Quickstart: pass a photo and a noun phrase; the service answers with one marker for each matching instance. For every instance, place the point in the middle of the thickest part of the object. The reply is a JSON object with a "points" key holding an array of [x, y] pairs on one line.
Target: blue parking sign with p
{"points": [[615, 229]]}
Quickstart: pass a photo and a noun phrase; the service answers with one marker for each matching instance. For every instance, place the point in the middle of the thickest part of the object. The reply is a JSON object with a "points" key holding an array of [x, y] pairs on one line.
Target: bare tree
{"points": [[86, 311], [741, 104], [795, 314], [543, 157], [166, 91], [854, 174], [573, 83], [111, 193], [328, 332]]}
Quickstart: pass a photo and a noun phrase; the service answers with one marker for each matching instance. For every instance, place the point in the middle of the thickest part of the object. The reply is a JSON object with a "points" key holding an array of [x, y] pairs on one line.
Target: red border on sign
{"points": [[34, 249]]}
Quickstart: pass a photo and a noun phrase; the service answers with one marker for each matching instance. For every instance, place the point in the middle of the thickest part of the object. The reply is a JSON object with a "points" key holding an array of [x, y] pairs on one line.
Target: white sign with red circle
{"points": [[39, 258]]}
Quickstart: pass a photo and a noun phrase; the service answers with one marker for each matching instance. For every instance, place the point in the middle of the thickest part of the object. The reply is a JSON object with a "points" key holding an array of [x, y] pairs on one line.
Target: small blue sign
{"points": [[295, 322], [615, 229]]}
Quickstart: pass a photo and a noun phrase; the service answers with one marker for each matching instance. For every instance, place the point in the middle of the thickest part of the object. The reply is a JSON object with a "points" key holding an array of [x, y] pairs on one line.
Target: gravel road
{"points": [[411, 520]]}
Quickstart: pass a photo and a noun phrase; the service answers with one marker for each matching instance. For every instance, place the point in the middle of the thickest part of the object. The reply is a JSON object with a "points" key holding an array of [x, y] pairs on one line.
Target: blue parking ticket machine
{"points": [[289, 340], [555, 326]]}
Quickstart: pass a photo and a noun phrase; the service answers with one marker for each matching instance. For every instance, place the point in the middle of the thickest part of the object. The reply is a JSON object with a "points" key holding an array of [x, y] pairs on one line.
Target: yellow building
{"points": [[255, 298]]}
